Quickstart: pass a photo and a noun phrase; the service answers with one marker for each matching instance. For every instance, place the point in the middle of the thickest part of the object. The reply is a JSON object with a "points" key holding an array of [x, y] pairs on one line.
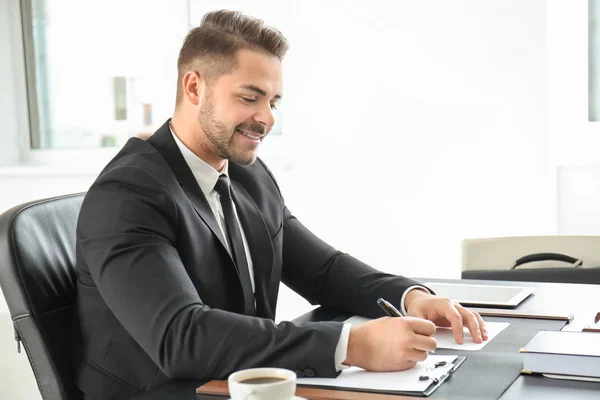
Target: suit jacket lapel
{"points": [[260, 246], [163, 141]]}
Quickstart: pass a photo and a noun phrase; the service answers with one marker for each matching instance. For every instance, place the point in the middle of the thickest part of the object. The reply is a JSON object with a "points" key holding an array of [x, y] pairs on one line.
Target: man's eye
{"points": [[247, 100], [273, 107]]}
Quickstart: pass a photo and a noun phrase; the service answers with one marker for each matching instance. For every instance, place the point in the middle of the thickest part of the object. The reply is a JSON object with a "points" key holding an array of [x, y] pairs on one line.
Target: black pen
{"points": [[388, 308]]}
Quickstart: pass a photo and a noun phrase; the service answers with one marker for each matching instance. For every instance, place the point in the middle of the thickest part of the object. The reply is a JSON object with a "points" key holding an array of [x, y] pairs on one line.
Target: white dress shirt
{"points": [[207, 177]]}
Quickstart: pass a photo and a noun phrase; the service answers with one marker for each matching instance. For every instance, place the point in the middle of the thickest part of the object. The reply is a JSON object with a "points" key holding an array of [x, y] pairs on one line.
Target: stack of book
{"points": [[567, 354]]}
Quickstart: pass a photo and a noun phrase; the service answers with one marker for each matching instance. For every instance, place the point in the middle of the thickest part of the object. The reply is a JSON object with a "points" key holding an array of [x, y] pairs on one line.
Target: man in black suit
{"points": [[184, 238]]}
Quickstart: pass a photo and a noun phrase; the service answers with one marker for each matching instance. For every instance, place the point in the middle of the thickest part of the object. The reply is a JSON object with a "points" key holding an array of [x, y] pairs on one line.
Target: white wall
{"points": [[430, 132], [574, 141], [579, 199], [408, 126], [418, 123]]}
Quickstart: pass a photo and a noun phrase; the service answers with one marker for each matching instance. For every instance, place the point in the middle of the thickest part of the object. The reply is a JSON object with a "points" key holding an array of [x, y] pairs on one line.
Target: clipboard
{"points": [[219, 388], [435, 383]]}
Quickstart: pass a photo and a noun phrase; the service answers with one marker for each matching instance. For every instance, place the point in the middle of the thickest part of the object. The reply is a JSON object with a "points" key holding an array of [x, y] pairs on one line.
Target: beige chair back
{"points": [[501, 253]]}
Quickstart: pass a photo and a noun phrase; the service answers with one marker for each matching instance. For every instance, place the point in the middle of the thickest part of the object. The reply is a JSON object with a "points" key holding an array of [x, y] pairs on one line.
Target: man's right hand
{"points": [[390, 344]]}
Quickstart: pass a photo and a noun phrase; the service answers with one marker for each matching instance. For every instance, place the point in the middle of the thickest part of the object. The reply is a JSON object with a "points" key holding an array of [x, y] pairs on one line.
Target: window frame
{"points": [[30, 139]]}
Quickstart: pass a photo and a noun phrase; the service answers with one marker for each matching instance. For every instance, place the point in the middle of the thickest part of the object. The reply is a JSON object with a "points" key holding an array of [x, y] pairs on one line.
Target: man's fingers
{"points": [[423, 326], [484, 334], [424, 343], [456, 322], [416, 355], [471, 322], [406, 364]]}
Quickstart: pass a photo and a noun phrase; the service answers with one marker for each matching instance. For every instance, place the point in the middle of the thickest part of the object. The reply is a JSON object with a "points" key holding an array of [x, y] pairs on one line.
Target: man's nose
{"points": [[265, 117]]}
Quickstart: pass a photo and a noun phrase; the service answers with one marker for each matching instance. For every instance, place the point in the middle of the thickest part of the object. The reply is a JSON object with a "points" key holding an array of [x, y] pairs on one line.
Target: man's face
{"points": [[237, 110]]}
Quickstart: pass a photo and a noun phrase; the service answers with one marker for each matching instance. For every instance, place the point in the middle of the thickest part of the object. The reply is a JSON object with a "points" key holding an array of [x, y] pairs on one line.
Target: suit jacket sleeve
{"points": [[126, 235]]}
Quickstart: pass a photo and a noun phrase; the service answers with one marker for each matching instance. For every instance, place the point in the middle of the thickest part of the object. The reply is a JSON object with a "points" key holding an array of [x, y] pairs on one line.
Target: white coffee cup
{"points": [[262, 384]]}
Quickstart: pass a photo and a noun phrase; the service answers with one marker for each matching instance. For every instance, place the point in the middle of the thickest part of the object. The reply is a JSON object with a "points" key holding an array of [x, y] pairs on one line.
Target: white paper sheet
{"points": [[358, 378], [445, 337]]}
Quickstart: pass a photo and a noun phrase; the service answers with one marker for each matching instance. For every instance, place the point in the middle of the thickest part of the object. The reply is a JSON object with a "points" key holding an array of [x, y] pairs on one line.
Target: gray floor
{"points": [[16, 377]]}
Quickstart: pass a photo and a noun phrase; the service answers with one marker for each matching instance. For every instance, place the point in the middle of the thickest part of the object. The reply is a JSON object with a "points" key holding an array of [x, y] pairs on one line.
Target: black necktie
{"points": [[235, 243]]}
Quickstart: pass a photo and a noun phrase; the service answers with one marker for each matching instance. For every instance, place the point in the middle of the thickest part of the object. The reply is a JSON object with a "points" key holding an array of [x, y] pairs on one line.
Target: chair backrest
{"points": [[501, 253], [38, 279], [494, 258]]}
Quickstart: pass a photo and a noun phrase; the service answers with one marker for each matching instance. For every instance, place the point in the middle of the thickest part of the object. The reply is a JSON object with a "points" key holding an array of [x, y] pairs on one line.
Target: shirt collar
{"points": [[206, 175]]}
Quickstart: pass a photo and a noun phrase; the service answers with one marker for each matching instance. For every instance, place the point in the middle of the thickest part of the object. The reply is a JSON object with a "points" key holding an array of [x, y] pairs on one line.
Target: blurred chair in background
{"points": [[563, 259]]}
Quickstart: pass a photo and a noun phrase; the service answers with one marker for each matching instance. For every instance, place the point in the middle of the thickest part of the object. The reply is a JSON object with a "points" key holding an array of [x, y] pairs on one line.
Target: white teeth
{"points": [[249, 136]]}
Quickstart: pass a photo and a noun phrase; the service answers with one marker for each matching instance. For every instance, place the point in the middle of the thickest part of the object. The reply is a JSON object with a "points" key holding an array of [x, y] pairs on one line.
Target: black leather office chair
{"points": [[37, 276]]}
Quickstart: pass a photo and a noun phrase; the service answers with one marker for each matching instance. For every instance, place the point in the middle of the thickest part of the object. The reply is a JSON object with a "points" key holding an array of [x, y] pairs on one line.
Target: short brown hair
{"points": [[211, 48]]}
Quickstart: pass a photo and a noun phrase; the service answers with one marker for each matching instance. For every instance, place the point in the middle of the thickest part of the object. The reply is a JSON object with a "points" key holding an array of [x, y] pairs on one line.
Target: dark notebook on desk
{"points": [[563, 353]]}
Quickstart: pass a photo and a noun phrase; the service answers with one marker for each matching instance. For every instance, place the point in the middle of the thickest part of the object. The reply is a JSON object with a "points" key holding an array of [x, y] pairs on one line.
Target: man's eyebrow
{"points": [[259, 91]]}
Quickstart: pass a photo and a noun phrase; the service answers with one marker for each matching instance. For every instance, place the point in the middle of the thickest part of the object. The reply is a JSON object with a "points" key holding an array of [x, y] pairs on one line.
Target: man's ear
{"points": [[194, 87]]}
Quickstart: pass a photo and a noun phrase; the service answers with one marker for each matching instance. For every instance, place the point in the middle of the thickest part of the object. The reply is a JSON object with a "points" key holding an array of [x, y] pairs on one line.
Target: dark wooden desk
{"points": [[570, 298]]}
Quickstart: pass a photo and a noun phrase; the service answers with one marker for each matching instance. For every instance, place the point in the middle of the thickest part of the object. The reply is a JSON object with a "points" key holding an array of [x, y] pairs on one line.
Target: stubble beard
{"points": [[220, 137]]}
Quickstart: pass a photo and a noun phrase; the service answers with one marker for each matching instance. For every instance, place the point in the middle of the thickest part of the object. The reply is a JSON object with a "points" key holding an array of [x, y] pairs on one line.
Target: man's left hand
{"points": [[445, 313]]}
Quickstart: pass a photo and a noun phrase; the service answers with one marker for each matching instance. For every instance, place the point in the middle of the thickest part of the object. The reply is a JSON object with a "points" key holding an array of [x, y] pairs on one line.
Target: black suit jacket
{"points": [[159, 296]]}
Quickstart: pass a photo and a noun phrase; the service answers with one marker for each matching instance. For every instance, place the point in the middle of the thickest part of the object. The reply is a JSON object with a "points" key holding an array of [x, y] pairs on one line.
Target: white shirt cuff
{"points": [[402, 307], [341, 350]]}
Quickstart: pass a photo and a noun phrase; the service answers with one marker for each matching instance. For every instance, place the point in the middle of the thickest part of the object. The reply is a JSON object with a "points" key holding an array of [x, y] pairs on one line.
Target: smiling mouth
{"points": [[250, 135]]}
